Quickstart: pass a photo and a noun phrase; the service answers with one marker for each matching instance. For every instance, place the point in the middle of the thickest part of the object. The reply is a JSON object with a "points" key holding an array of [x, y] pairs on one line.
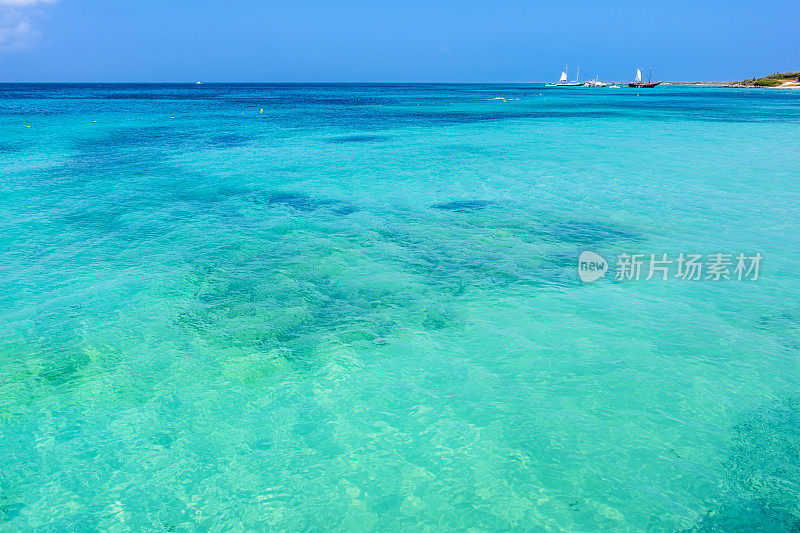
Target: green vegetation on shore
{"points": [[773, 80]]}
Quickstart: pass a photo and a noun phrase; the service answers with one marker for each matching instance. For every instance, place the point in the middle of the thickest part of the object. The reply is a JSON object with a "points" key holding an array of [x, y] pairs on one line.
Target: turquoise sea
{"points": [[360, 310]]}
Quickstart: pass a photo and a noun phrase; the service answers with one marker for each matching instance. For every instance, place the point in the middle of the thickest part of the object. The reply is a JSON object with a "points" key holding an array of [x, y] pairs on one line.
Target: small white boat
{"points": [[199, 83], [615, 86], [562, 82], [595, 83]]}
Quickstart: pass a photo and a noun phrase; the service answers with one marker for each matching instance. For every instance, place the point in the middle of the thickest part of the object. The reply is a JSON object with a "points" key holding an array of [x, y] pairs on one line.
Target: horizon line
{"points": [[353, 82]]}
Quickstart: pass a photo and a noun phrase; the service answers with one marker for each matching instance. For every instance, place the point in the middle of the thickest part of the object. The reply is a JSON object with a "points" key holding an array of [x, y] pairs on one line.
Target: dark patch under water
{"points": [[8, 148], [455, 117], [745, 516], [456, 264], [460, 260], [762, 474], [466, 149], [463, 206], [585, 232], [228, 300], [355, 139], [785, 326], [765, 463], [150, 137], [129, 151], [154, 139], [105, 220], [228, 140], [305, 203]]}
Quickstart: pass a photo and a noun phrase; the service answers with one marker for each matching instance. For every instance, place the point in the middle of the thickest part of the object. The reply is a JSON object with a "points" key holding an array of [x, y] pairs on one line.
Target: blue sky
{"points": [[314, 40]]}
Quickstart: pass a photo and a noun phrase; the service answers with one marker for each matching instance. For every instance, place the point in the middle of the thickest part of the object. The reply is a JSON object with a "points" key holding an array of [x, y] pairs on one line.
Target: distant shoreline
{"points": [[778, 80], [732, 84]]}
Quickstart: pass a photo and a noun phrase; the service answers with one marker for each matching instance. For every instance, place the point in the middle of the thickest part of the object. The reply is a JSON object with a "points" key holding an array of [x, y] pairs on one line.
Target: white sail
{"points": [[563, 76], [638, 75]]}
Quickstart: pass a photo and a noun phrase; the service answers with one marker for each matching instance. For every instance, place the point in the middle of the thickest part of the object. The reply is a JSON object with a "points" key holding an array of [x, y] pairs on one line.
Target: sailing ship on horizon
{"points": [[642, 85], [563, 82]]}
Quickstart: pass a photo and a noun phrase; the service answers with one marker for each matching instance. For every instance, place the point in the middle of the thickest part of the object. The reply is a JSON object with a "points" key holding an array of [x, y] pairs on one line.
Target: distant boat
{"points": [[595, 83], [199, 83], [562, 82], [638, 82], [615, 86]]}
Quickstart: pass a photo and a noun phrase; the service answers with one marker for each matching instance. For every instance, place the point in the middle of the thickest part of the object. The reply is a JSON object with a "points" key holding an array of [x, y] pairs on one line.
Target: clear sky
{"points": [[393, 40]]}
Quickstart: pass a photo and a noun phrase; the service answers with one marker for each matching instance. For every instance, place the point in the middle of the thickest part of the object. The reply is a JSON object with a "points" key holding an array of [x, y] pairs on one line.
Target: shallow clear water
{"points": [[359, 309]]}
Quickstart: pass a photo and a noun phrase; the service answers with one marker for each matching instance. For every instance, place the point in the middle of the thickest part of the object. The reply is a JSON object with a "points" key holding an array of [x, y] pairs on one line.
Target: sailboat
{"points": [[638, 81], [562, 82]]}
